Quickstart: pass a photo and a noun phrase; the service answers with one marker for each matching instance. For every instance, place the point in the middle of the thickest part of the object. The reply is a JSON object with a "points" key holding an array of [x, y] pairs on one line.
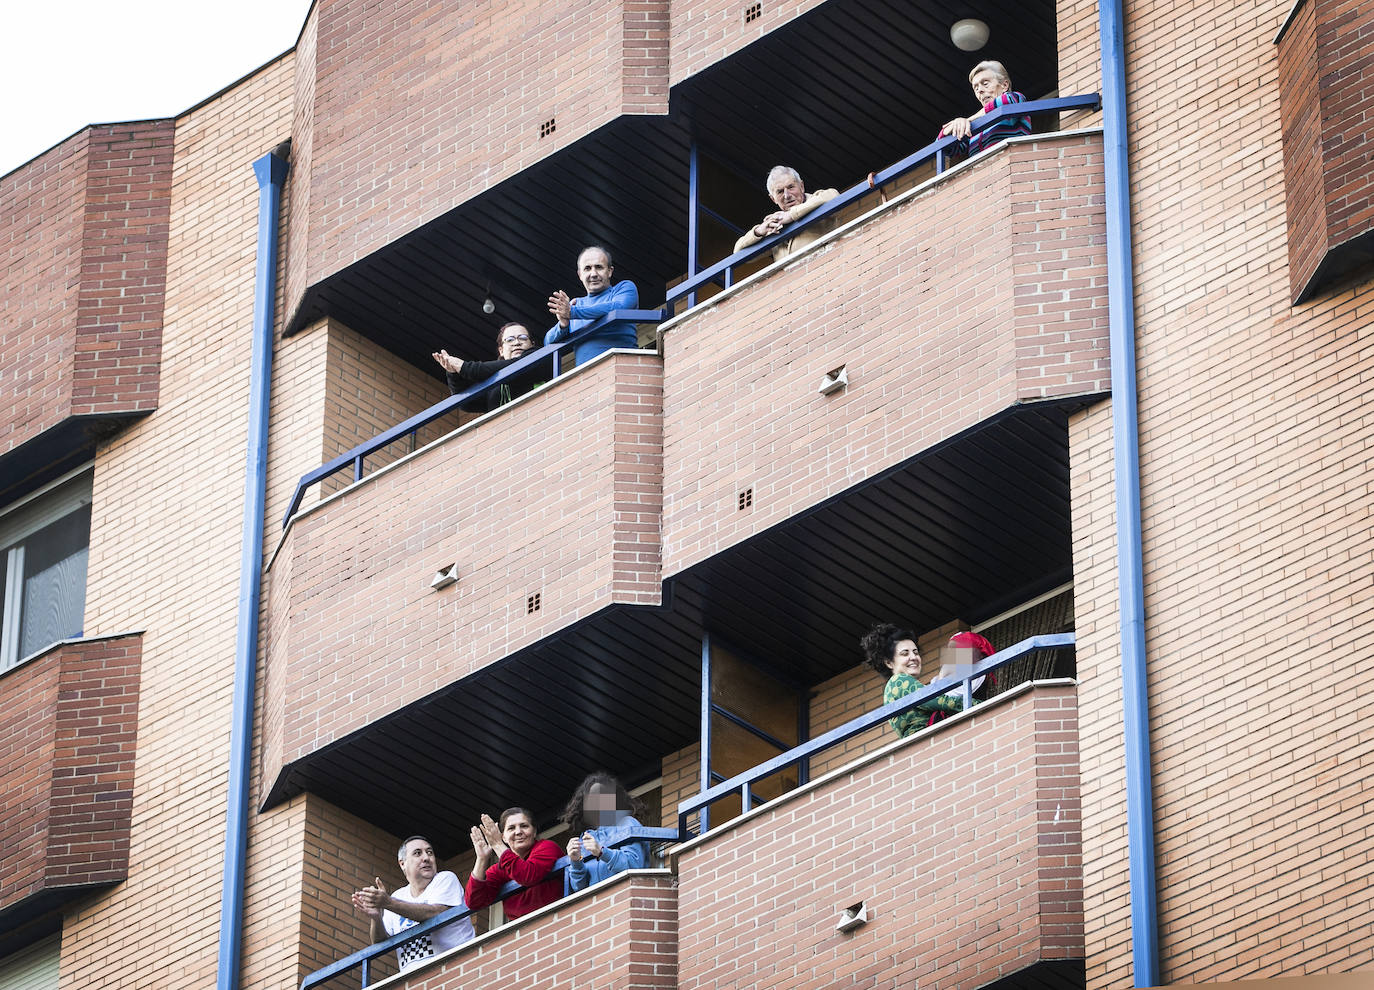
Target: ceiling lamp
{"points": [[969, 35]]}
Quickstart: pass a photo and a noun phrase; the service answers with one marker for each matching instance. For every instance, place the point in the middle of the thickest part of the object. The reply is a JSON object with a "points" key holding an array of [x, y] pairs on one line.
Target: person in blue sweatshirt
{"points": [[595, 271], [599, 812]]}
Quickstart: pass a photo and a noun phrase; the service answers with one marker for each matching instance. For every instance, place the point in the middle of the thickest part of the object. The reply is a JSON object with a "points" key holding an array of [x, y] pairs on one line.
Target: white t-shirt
{"points": [[443, 889]]}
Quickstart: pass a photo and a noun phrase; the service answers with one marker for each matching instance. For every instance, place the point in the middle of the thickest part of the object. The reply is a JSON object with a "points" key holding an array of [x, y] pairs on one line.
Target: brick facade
{"points": [[924, 836], [620, 934], [69, 724], [85, 239], [1015, 314], [420, 117], [1326, 82], [165, 532], [561, 459], [1256, 540], [947, 307]]}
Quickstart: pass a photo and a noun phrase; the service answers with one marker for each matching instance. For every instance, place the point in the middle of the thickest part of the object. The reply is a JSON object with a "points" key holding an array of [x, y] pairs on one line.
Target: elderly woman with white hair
{"points": [[991, 88]]}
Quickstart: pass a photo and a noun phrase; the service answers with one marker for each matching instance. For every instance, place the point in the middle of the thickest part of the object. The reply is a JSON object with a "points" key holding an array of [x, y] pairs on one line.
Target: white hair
{"points": [[778, 172]]}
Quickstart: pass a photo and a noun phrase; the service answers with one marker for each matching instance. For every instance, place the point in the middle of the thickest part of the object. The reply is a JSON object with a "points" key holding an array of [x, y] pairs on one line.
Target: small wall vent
{"points": [[746, 499], [548, 127]]}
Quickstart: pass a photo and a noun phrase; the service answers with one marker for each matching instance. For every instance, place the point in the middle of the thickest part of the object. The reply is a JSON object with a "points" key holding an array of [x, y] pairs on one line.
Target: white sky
{"points": [[68, 63]]}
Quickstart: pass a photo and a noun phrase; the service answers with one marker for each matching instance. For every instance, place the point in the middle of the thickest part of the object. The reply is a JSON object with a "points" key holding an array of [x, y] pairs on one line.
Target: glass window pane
{"points": [[759, 698], [54, 591]]}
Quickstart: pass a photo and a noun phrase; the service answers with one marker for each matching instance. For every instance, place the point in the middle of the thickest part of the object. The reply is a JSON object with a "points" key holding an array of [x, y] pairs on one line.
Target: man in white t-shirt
{"points": [[429, 893]]}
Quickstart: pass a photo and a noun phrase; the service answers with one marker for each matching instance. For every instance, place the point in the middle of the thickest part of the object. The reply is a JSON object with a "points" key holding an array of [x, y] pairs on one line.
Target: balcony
{"points": [[948, 308], [87, 223], [69, 724], [549, 511], [962, 843], [620, 933]]}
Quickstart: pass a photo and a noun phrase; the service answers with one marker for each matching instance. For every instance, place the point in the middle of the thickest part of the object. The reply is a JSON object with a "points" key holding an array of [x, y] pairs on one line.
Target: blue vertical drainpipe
{"points": [[271, 172], [1140, 825]]}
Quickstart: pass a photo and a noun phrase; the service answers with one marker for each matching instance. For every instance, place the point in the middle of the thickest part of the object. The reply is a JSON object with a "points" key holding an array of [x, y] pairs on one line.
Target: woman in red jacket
{"points": [[513, 851]]}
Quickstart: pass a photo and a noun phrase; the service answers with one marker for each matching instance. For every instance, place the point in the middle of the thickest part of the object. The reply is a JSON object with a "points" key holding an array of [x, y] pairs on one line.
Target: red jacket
{"points": [[532, 873]]}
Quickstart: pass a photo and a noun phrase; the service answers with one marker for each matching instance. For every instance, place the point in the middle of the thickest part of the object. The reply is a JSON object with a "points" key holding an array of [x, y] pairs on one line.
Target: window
{"points": [[44, 542], [32, 968]]}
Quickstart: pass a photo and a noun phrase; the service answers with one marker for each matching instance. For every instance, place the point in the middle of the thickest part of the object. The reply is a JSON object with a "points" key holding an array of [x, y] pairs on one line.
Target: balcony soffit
{"points": [[961, 531], [846, 88]]}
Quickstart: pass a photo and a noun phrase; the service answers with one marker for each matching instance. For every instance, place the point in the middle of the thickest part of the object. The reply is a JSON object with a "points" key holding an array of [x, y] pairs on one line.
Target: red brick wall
{"points": [[68, 721], [964, 845], [85, 236], [417, 112], [296, 225], [964, 302], [706, 31], [124, 268], [42, 207], [1326, 84], [623, 933], [559, 494], [1255, 447]]}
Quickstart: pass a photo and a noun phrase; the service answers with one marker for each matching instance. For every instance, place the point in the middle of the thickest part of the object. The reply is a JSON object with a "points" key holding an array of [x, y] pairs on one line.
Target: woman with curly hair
{"points": [[600, 812], [892, 653]]}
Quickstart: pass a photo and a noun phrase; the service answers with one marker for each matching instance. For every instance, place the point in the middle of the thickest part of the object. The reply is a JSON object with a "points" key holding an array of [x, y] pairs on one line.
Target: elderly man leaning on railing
{"points": [[722, 273]]}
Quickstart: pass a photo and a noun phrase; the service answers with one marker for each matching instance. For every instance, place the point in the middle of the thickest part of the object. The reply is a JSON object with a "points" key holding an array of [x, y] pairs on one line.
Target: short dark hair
{"points": [[517, 811], [401, 853], [506, 326], [610, 263], [880, 646]]}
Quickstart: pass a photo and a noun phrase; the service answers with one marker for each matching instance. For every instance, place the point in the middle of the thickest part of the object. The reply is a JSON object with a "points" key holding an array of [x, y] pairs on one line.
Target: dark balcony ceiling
{"points": [[849, 87], [961, 531]]}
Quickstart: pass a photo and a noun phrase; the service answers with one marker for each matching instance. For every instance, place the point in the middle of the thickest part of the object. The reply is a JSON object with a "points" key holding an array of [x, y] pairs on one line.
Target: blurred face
{"points": [[514, 342], [787, 192], [906, 659], [518, 833], [960, 661], [988, 85], [600, 807], [594, 269], [418, 864]]}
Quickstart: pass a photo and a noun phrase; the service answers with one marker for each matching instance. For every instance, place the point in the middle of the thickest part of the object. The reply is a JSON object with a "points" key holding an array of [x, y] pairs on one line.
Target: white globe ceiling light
{"points": [[969, 35]]}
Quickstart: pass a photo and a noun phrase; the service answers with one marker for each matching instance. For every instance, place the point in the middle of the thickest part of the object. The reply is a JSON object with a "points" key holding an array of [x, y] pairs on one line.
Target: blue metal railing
{"points": [[722, 273], [362, 959], [743, 784], [414, 424]]}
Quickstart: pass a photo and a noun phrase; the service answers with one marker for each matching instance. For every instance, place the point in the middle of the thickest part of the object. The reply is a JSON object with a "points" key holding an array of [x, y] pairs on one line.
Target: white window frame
{"points": [[18, 520]]}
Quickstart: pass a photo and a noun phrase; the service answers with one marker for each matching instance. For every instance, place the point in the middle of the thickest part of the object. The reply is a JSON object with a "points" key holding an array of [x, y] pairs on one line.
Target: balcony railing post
{"points": [[358, 468], [693, 215], [703, 816]]}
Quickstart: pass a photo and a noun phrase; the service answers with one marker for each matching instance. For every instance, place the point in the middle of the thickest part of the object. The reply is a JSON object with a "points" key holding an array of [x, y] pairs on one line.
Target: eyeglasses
{"points": [[515, 340]]}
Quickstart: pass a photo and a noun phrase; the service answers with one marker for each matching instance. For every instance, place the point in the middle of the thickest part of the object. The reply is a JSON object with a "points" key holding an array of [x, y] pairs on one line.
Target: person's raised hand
{"points": [[448, 362], [561, 307], [590, 843], [492, 832]]}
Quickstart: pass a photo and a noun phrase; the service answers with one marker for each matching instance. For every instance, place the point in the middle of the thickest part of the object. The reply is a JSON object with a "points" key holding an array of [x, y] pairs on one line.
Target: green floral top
{"points": [[904, 685]]}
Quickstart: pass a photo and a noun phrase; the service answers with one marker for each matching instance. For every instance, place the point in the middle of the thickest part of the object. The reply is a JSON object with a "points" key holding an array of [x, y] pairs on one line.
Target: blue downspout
{"points": [[1140, 826], [271, 172]]}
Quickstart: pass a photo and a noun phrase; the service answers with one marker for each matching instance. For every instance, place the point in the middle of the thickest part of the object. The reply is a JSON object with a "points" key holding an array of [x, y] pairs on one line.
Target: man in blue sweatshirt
{"points": [[594, 270]]}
